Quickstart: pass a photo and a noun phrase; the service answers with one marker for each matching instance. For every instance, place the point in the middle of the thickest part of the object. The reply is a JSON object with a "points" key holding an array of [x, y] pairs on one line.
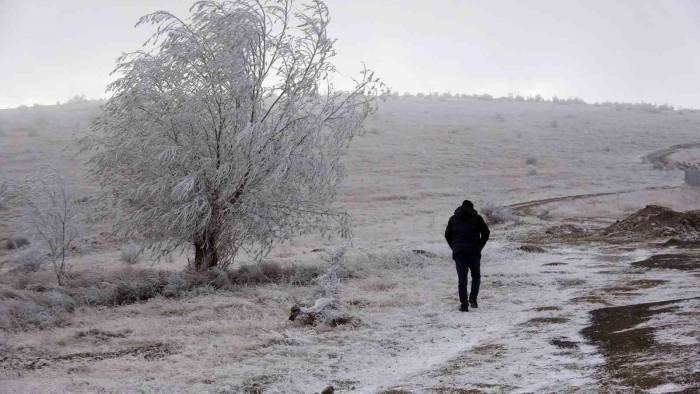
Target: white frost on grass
{"points": [[404, 182]]}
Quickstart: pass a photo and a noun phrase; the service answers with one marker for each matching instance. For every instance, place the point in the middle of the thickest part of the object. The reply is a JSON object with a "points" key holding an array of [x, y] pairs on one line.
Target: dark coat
{"points": [[466, 232]]}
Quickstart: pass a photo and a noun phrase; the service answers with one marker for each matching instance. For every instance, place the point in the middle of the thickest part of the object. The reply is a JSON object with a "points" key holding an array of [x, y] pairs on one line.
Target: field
{"points": [[587, 312]]}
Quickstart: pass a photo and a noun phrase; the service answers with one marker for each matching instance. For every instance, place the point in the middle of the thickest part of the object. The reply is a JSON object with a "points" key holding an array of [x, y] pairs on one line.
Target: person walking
{"points": [[467, 234]]}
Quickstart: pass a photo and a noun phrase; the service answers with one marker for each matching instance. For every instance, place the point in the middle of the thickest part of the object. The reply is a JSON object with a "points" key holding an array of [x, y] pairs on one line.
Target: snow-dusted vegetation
{"points": [[419, 159], [117, 269], [227, 135]]}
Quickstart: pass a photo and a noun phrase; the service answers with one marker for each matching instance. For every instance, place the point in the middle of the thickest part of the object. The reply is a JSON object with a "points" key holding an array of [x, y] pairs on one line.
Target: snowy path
{"points": [[526, 335], [498, 345]]}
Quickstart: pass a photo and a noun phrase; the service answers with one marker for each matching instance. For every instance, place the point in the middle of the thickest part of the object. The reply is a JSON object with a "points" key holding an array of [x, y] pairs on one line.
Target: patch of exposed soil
{"points": [[592, 299], [553, 264], [425, 253], [647, 283], [649, 223], [568, 283], [541, 321], [634, 358], [455, 390], [547, 308], [563, 343], [620, 290], [681, 243], [491, 350], [683, 262], [478, 355], [531, 248], [560, 233], [100, 335], [654, 221], [564, 230]]}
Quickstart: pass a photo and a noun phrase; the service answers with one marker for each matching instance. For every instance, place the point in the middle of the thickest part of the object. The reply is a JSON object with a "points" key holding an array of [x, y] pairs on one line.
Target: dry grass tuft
{"points": [[15, 243], [30, 300], [21, 309]]}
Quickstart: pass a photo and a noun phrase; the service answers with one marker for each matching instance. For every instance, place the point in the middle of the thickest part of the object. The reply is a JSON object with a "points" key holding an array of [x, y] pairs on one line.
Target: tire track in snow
{"points": [[518, 207], [658, 158]]}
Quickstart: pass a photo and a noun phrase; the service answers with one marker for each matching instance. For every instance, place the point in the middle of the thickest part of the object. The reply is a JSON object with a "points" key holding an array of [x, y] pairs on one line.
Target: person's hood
{"points": [[465, 211]]}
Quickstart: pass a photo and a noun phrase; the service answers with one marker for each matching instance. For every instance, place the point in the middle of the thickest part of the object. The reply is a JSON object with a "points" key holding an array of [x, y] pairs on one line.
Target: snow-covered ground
{"points": [[418, 161]]}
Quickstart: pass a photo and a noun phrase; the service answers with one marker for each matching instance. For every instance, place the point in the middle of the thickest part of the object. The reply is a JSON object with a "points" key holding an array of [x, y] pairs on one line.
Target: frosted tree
{"points": [[53, 216], [225, 133], [5, 193]]}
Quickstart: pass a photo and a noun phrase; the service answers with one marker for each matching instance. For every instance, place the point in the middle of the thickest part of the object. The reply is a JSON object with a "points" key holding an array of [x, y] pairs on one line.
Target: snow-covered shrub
{"points": [[327, 307], [175, 286], [272, 272], [21, 310], [131, 254], [135, 289], [52, 216], [497, 214], [303, 275], [29, 259], [5, 193], [119, 287], [137, 285], [94, 295], [16, 243], [329, 282]]}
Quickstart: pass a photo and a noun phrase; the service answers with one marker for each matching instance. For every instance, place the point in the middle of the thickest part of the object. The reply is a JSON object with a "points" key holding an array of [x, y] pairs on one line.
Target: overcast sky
{"points": [[599, 50]]}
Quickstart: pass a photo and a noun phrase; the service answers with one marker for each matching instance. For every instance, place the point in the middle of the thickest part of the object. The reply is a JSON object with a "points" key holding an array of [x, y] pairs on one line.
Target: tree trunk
{"points": [[205, 253]]}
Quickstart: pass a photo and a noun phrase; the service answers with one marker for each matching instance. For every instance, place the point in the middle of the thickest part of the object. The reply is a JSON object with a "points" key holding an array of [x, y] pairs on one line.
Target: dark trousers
{"points": [[465, 264]]}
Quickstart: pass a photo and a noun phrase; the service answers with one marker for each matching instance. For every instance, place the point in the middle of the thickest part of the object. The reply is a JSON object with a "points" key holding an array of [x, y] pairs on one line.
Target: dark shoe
{"points": [[473, 304], [464, 308]]}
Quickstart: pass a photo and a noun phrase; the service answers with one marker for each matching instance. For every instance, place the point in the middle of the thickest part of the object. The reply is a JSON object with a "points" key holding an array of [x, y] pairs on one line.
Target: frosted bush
{"points": [[327, 308], [16, 243], [175, 286], [4, 194], [329, 282], [21, 311], [94, 295], [52, 216], [29, 259], [131, 254]]}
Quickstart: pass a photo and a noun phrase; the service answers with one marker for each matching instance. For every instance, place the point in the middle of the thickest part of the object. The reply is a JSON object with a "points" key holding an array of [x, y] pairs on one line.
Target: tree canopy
{"points": [[225, 132]]}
